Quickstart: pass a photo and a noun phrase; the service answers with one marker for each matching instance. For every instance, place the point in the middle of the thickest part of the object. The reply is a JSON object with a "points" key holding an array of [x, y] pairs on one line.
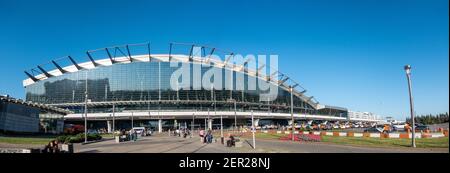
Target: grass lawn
{"points": [[375, 142], [26, 140], [387, 142], [107, 135]]}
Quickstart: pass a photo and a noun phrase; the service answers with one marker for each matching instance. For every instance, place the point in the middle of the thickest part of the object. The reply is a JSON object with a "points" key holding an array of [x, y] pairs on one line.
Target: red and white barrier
{"points": [[371, 135]]}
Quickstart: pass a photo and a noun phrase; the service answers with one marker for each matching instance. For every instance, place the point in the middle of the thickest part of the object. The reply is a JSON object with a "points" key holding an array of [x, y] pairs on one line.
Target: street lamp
{"points": [[113, 120], [85, 109], [411, 104], [292, 113]]}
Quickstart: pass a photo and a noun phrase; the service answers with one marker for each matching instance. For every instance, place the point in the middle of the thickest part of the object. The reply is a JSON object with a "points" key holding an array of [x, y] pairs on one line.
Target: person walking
{"points": [[202, 136]]}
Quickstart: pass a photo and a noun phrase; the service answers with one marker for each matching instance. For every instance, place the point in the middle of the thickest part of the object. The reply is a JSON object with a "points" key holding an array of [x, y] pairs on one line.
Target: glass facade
{"points": [[150, 81]]}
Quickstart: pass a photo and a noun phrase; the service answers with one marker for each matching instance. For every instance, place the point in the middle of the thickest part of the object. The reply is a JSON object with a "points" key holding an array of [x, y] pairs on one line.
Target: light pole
{"points": [[253, 132], [193, 123], [235, 116], [292, 112], [411, 104], [85, 110], [113, 121], [132, 120]]}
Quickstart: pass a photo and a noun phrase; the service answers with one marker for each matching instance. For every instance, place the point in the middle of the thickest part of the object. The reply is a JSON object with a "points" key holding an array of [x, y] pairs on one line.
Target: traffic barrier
{"points": [[374, 135], [426, 135], [365, 134], [335, 133], [350, 134], [417, 135], [437, 135], [358, 135], [394, 135], [329, 133], [404, 135]]}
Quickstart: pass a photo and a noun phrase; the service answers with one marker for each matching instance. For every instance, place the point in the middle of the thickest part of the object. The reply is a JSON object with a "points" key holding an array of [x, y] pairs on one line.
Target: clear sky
{"points": [[345, 53]]}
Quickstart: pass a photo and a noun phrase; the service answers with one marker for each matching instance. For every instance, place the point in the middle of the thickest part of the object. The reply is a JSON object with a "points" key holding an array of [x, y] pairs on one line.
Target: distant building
{"points": [[25, 117], [363, 116]]}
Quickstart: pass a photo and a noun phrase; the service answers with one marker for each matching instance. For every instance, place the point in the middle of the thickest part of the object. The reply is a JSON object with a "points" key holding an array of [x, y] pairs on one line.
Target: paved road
{"points": [[166, 144]]}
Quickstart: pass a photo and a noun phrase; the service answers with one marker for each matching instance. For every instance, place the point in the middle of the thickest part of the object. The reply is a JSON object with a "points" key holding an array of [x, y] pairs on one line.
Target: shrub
{"points": [[78, 138]]}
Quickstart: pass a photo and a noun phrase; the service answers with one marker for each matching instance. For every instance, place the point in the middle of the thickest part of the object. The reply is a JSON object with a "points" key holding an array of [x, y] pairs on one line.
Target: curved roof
{"points": [[277, 78]]}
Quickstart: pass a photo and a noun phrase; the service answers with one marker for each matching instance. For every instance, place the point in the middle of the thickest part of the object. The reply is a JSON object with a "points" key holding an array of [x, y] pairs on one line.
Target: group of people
{"points": [[184, 131], [52, 147], [130, 135], [206, 137]]}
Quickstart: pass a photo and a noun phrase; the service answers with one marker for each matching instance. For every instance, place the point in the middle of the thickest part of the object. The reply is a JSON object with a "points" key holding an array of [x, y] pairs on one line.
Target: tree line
{"points": [[430, 119]]}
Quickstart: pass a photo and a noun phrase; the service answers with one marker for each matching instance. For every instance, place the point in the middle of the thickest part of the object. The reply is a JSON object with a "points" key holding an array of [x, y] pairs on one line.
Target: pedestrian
{"points": [[209, 136]]}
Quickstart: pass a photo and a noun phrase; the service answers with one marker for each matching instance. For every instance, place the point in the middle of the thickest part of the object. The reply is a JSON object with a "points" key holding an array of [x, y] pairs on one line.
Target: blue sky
{"points": [[345, 53]]}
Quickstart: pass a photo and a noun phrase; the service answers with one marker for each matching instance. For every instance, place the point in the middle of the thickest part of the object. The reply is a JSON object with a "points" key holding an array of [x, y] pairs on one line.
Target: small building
{"points": [[18, 116]]}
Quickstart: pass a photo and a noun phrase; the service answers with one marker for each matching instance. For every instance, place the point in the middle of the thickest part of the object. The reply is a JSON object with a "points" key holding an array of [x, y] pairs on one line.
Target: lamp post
{"points": [[411, 104], [253, 132], [193, 123], [113, 120], [292, 113], [85, 109], [235, 116]]}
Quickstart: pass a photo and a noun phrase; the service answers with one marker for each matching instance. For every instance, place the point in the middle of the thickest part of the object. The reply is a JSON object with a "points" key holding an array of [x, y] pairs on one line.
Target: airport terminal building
{"points": [[133, 88]]}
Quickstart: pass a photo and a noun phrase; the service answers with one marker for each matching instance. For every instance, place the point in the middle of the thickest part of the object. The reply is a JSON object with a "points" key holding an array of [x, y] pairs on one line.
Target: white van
{"points": [[140, 131]]}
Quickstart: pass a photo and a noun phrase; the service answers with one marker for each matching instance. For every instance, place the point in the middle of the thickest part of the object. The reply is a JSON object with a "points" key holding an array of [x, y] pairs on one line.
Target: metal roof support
{"points": [[258, 71], [129, 54], [74, 63], [190, 53], [310, 98], [31, 76], [228, 59], [59, 67], [261, 67], [271, 75], [209, 56], [90, 58], [170, 51], [149, 55], [43, 71], [295, 85], [282, 81], [109, 55], [246, 62]]}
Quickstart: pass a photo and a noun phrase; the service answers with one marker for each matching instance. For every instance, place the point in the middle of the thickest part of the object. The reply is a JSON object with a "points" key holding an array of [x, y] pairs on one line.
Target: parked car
{"points": [[422, 128], [140, 131], [92, 131], [374, 130]]}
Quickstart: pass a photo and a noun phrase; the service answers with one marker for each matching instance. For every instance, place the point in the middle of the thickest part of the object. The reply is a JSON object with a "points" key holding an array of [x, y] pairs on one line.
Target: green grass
{"points": [[26, 140], [387, 142], [107, 135], [268, 135], [374, 142]]}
